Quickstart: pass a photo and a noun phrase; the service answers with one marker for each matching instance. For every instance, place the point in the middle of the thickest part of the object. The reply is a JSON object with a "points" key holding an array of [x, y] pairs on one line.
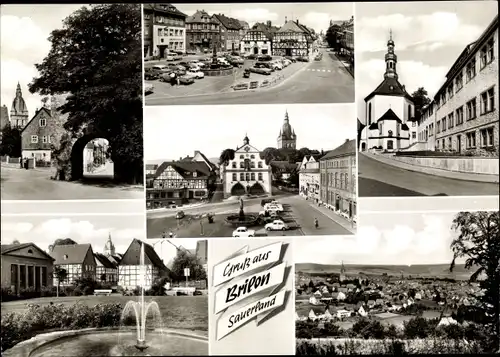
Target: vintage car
{"points": [[277, 225], [150, 74], [264, 71], [186, 80], [243, 232], [196, 74], [264, 58]]}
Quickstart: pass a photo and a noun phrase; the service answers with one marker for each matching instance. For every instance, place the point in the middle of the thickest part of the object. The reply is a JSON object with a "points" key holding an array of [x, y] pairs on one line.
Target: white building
{"points": [[313, 300], [389, 112], [247, 172], [309, 178], [258, 40]]}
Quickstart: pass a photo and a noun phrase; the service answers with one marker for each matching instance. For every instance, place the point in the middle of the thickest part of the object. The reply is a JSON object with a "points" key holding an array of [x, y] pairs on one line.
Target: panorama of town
{"points": [[249, 191], [387, 309], [213, 58], [441, 145], [61, 147]]}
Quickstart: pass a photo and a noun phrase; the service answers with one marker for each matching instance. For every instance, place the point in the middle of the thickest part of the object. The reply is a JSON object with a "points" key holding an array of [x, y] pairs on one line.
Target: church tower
{"points": [[390, 60], [342, 273], [109, 248], [287, 138], [19, 111]]}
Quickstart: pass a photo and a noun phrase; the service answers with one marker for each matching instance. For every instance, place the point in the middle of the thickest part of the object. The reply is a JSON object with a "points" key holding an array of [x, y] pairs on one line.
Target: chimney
{"points": [[286, 19], [297, 21], [269, 23]]}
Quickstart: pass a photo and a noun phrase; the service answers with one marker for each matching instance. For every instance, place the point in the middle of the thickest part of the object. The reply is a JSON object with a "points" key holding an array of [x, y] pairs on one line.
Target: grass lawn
{"points": [[177, 312]]}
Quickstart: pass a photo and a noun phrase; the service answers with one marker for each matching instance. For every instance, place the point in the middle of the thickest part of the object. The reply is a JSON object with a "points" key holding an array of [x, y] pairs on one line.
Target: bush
{"points": [[17, 327], [8, 295]]}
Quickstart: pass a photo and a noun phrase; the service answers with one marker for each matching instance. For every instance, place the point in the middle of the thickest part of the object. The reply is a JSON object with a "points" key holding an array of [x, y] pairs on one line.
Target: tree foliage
{"points": [[420, 99], [96, 59], [333, 36], [225, 156], [11, 141], [478, 241], [183, 260]]}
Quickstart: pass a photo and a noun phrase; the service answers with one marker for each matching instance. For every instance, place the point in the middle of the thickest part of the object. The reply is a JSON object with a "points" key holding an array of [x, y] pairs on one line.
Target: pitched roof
{"points": [[389, 115], [266, 30], [390, 86], [292, 26], [228, 22], [164, 8], [346, 149], [186, 169], [9, 248], [151, 167], [75, 253], [208, 162], [131, 259], [198, 17], [105, 261]]}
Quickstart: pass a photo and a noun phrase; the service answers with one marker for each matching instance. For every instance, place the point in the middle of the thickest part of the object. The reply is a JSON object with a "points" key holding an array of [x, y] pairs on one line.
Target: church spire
{"points": [[18, 90], [390, 59], [286, 114]]}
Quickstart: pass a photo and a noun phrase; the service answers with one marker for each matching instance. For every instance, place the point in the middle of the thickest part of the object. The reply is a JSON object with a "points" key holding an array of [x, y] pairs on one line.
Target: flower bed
{"points": [[17, 327]]}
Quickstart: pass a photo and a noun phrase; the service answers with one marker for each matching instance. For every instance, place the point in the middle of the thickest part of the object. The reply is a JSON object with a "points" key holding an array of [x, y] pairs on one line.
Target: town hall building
{"points": [[390, 122], [247, 172]]}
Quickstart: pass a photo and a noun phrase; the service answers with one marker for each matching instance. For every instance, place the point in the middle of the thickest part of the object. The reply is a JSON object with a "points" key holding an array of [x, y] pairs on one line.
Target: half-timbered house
{"points": [[258, 40], [293, 39]]}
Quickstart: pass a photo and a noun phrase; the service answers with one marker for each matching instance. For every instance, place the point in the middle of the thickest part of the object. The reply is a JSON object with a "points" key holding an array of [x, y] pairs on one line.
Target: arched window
{"points": [[252, 156], [369, 113], [390, 132]]}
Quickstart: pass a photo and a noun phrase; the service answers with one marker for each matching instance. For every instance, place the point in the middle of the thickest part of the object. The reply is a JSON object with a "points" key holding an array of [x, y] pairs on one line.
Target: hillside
{"points": [[434, 270]]}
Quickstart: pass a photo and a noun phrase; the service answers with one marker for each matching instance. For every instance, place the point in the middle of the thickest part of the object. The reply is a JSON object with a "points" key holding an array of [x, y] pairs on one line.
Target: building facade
{"points": [[247, 172], [130, 272], [426, 128], [106, 270], [164, 29], [25, 266], [41, 133], [258, 40], [466, 105], [293, 39], [338, 178], [19, 111], [230, 32], [77, 259], [287, 138], [202, 32], [391, 124], [309, 178]]}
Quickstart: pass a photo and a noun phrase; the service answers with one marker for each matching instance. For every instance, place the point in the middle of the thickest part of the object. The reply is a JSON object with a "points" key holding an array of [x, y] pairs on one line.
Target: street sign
{"points": [[186, 272]]}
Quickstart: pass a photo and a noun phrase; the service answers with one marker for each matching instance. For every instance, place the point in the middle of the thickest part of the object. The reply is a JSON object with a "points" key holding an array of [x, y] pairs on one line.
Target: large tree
{"points": [[420, 99], [478, 241], [11, 141], [62, 241], [185, 259], [96, 58], [333, 36], [225, 156], [269, 154]]}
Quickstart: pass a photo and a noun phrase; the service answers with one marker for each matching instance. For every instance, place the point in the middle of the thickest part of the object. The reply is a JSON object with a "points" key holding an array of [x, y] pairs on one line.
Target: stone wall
{"points": [[487, 166]]}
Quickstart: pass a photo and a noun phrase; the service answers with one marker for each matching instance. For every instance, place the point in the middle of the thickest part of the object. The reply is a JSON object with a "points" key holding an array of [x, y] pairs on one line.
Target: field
{"points": [[431, 271], [178, 312]]}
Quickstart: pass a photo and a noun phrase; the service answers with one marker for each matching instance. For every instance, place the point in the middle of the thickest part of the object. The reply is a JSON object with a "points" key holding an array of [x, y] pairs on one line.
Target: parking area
{"points": [[212, 85]]}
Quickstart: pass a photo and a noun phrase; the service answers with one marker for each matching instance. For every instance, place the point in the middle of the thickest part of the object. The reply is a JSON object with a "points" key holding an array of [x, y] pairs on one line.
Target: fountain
{"points": [[122, 342], [242, 219], [217, 69]]}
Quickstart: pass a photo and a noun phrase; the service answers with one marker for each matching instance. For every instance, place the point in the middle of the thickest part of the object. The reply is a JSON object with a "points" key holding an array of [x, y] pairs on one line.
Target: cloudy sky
{"points": [[93, 229], [177, 131], [314, 15], [25, 30], [388, 239], [428, 40]]}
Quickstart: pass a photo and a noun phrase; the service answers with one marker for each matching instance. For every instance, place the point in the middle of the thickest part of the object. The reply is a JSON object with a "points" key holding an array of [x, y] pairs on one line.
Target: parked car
{"points": [[269, 213], [196, 73], [264, 58], [277, 225], [180, 67], [197, 293], [251, 56], [237, 60], [266, 200], [276, 65], [186, 80], [274, 207], [177, 57], [291, 59], [190, 52], [148, 88], [184, 64], [303, 59], [243, 232], [170, 57], [150, 74], [160, 68], [264, 71]]}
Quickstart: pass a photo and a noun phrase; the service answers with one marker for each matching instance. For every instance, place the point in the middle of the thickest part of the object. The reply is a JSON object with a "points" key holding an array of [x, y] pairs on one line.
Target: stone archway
{"points": [[257, 189], [238, 190], [77, 162]]}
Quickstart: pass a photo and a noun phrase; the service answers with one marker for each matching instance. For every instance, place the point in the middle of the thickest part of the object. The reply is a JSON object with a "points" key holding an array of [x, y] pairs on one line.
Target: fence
{"points": [[258, 84], [10, 160]]}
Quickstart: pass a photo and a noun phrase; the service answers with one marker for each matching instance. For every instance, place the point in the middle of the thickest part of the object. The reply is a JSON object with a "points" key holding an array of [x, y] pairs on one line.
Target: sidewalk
{"points": [[345, 63], [17, 166], [464, 176], [351, 227]]}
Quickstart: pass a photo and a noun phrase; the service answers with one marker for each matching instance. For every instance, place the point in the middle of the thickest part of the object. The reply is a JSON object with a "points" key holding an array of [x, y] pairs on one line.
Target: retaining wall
{"points": [[473, 165]]}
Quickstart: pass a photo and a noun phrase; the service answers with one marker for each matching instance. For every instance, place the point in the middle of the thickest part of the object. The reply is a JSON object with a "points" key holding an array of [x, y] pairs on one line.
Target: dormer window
{"points": [[65, 256], [43, 122], [30, 251]]}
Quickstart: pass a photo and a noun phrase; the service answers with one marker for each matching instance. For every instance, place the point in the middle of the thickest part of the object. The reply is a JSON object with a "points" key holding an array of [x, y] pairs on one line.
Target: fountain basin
{"points": [[111, 342], [248, 220], [218, 72]]}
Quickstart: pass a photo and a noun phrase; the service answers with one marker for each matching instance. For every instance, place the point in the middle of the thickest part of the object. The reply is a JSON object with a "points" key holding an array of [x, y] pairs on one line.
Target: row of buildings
{"points": [[330, 178], [168, 29], [26, 266], [462, 116]]}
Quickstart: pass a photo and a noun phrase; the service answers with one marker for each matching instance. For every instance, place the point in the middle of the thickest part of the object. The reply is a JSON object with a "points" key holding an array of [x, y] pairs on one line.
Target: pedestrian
{"points": [[178, 81], [172, 78]]}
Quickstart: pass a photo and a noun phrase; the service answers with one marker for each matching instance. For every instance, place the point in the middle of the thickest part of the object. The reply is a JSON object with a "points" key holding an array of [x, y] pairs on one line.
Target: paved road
{"points": [[325, 81], [377, 179], [18, 184], [301, 214]]}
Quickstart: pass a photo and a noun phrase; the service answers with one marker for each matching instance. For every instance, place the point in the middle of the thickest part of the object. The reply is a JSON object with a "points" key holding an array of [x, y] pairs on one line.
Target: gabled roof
{"points": [[198, 17], [75, 253], [389, 115], [46, 110], [346, 149], [292, 26], [164, 8], [107, 263], [129, 258], [266, 30], [207, 161], [150, 167], [10, 248], [392, 87], [228, 22], [186, 169]]}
